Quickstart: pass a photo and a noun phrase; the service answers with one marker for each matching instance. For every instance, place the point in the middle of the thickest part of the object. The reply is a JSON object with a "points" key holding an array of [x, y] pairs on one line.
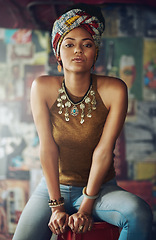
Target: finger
{"points": [[51, 228], [87, 224], [90, 225], [54, 228], [66, 222], [57, 229], [85, 227], [77, 224], [60, 227], [81, 228], [71, 223], [81, 224]]}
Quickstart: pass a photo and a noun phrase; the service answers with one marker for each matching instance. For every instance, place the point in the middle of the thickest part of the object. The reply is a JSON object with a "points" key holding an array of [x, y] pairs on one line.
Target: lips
{"points": [[78, 59]]}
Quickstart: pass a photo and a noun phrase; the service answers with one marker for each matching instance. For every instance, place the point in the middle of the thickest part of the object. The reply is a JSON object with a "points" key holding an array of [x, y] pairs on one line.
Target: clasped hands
{"points": [[79, 222]]}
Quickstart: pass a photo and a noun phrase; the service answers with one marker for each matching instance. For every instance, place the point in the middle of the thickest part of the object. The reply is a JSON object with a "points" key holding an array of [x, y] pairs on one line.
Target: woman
{"points": [[78, 118]]}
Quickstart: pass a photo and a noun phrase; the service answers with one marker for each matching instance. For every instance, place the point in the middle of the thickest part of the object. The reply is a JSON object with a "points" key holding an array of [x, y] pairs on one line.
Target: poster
{"points": [[149, 61]]}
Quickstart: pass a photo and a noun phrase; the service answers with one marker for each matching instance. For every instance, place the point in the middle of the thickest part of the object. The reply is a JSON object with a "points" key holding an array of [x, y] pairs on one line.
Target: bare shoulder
{"points": [[110, 83], [46, 88], [46, 81], [111, 88]]}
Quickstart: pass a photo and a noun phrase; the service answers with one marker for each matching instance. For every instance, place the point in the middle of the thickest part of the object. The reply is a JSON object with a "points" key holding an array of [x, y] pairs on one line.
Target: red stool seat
{"points": [[100, 231]]}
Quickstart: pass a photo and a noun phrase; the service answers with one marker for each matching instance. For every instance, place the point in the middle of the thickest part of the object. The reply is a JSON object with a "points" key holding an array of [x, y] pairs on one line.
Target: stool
{"points": [[99, 231]]}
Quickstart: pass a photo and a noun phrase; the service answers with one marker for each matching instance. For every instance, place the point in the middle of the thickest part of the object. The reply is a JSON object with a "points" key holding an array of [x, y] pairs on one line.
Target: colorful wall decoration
{"points": [[128, 51]]}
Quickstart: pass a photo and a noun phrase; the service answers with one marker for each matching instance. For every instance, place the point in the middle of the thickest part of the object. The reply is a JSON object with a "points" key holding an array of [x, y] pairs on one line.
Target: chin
{"points": [[80, 69]]}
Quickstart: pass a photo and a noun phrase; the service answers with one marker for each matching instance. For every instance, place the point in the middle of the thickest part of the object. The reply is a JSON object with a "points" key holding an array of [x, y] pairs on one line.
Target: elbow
{"points": [[103, 155], [47, 154]]}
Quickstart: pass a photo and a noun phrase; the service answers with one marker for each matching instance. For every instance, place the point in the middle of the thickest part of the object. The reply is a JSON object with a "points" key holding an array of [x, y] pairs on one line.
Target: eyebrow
{"points": [[84, 39]]}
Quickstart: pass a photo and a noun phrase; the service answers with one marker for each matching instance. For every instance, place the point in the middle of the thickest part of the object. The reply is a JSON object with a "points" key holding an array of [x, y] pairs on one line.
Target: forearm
{"points": [[59, 218], [49, 162], [100, 165], [99, 169]]}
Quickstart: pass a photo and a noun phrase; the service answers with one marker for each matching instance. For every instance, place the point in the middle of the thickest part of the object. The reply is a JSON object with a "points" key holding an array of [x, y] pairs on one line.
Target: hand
{"points": [[58, 221], [80, 222]]}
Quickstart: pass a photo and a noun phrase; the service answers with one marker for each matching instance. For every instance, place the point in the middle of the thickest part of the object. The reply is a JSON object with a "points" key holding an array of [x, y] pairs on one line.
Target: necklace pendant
{"points": [[60, 112], [67, 119], [74, 111], [82, 120], [89, 115]]}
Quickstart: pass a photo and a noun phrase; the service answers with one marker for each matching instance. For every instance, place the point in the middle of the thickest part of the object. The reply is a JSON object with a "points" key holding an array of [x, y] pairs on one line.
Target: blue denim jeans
{"points": [[114, 205]]}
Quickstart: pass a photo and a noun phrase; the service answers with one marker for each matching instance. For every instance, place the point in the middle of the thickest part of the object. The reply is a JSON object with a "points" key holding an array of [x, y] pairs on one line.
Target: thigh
{"points": [[33, 223], [119, 207]]}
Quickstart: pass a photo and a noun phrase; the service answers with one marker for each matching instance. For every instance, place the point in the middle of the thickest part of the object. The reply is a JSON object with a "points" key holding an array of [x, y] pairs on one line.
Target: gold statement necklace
{"points": [[66, 105]]}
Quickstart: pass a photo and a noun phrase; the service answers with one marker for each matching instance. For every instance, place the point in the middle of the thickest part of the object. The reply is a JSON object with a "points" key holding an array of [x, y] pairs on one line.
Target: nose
{"points": [[78, 49]]}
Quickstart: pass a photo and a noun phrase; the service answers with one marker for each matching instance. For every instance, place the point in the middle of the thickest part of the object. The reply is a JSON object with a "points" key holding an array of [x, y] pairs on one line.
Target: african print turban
{"points": [[73, 19]]}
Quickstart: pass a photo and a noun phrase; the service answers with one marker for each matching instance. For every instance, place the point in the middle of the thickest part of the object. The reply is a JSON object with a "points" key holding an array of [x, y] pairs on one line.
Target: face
{"points": [[77, 51]]}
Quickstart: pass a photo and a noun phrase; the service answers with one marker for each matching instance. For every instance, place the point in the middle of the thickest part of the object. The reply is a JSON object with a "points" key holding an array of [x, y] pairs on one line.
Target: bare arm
{"points": [[117, 101], [48, 148]]}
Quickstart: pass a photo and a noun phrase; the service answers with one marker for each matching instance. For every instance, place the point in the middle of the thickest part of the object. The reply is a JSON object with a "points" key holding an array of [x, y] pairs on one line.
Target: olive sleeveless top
{"points": [[76, 142]]}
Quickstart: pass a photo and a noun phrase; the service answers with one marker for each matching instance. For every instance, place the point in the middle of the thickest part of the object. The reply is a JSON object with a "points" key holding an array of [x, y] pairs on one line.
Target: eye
{"points": [[68, 45], [88, 45]]}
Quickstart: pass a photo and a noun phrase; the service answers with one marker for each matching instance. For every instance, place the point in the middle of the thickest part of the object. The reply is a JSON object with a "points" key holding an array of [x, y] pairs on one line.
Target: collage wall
{"points": [[128, 51]]}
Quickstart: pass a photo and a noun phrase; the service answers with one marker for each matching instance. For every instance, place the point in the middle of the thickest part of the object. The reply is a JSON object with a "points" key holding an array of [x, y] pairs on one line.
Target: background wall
{"points": [[128, 51]]}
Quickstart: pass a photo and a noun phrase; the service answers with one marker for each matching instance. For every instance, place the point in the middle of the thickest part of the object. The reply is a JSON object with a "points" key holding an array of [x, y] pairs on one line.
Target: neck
{"points": [[77, 84]]}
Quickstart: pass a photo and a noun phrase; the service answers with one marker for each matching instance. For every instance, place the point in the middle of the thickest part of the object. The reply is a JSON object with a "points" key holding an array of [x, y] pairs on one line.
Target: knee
{"points": [[141, 212]]}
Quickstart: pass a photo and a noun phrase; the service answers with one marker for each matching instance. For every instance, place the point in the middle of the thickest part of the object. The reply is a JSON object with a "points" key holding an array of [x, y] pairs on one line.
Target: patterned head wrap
{"points": [[73, 19]]}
